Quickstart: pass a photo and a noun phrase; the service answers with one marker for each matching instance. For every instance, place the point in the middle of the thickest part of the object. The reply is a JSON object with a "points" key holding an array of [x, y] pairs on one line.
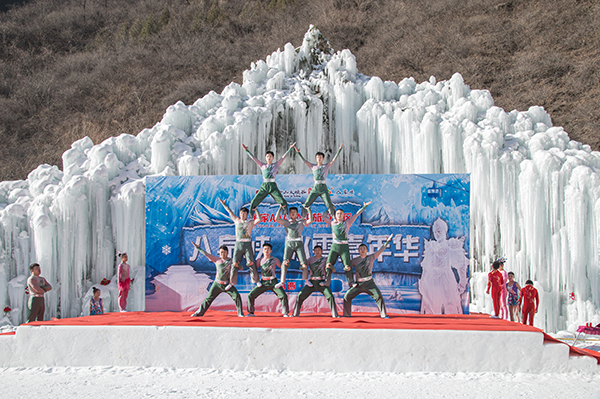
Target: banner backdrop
{"points": [[425, 270]]}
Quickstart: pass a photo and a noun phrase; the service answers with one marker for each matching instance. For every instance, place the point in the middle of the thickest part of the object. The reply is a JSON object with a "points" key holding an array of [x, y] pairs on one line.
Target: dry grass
{"points": [[105, 67]]}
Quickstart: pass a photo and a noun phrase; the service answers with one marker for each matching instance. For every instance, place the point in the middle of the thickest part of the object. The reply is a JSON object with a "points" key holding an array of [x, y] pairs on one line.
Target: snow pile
{"points": [[535, 192]]}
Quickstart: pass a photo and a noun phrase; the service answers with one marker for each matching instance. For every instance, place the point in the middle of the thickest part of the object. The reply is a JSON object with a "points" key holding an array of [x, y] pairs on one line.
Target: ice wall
{"points": [[535, 192]]}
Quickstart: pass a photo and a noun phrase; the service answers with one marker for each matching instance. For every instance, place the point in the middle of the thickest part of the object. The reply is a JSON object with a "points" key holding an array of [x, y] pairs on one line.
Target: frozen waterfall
{"points": [[535, 193]]}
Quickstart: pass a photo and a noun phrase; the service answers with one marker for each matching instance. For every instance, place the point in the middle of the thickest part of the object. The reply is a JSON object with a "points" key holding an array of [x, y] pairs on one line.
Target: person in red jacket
{"points": [[495, 282], [530, 300]]}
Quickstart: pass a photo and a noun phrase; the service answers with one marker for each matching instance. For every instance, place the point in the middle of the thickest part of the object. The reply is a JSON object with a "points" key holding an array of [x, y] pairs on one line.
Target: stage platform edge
{"points": [[345, 349]]}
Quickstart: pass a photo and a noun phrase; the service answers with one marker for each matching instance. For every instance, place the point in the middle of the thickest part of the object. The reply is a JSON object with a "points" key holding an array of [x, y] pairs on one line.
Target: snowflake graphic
{"points": [[166, 250]]}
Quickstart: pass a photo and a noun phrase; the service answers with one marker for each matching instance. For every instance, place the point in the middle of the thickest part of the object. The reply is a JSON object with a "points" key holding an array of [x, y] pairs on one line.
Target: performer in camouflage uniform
{"points": [[340, 247], [268, 281], [319, 171], [363, 265], [243, 242], [269, 171], [320, 279], [222, 281], [293, 239]]}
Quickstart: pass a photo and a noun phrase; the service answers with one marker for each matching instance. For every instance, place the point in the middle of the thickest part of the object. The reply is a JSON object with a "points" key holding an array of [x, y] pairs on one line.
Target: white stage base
{"points": [[340, 350]]}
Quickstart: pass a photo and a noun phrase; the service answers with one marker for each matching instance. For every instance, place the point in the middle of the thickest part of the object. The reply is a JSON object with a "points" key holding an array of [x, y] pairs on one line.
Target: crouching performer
{"points": [[320, 279], [293, 239], [340, 247], [268, 281], [221, 283], [243, 242], [363, 265]]}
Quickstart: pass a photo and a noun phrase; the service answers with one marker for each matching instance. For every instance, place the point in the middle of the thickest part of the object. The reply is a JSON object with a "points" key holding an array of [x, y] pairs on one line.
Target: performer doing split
{"points": [[293, 239], [268, 282], [363, 265], [340, 247], [243, 242], [222, 281], [269, 171], [320, 171], [320, 279]]}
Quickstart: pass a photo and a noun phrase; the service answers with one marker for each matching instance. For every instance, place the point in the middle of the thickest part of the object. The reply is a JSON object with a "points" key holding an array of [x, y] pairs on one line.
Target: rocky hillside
{"points": [[99, 68]]}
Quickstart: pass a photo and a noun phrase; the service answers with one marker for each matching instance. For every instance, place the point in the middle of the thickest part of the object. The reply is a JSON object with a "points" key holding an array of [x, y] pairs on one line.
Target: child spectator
{"points": [[123, 281], [514, 290], [530, 300], [96, 305]]}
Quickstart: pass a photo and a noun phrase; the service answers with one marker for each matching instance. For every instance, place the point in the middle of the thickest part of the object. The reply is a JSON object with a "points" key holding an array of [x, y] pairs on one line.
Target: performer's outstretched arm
{"points": [[310, 217], [210, 257], [336, 154], [353, 218], [278, 163], [327, 218], [383, 247], [256, 219], [310, 165], [229, 211], [278, 219], [256, 160]]}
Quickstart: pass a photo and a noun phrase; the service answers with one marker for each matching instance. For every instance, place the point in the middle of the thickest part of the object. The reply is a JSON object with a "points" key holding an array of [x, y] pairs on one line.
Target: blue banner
{"points": [[185, 209]]}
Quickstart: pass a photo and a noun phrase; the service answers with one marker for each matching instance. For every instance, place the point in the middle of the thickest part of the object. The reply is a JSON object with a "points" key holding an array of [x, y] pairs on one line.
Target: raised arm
{"points": [[256, 160], [229, 211], [278, 163], [210, 257], [256, 219], [310, 165], [277, 218], [336, 154], [383, 247], [310, 217], [327, 218], [353, 218]]}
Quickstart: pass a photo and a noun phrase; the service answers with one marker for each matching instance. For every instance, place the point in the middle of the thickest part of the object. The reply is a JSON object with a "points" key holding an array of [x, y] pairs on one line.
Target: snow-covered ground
{"points": [[124, 382]]}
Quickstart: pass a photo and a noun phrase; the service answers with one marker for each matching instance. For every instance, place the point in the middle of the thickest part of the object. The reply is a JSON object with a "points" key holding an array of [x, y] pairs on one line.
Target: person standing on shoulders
{"points": [[319, 171]]}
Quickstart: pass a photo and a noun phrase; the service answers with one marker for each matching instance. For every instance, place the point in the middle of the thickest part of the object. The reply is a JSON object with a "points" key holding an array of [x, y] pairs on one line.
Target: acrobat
{"points": [[363, 265], [319, 171], [243, 242], [269, 171], [222, 281], [320, 279], [340, 247], [268, 281], [293, 238]]}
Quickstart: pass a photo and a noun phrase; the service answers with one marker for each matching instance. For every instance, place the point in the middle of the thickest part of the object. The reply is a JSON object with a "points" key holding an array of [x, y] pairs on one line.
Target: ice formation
{"points": [[535, 192]]}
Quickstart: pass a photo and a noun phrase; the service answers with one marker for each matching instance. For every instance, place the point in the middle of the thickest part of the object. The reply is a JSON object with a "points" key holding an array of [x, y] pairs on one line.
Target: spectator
{"points": [[96, 305], [38, 286]]}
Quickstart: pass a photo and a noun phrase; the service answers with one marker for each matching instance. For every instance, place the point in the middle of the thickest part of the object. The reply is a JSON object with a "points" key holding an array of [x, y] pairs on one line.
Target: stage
{"points": [[311, 342]]}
